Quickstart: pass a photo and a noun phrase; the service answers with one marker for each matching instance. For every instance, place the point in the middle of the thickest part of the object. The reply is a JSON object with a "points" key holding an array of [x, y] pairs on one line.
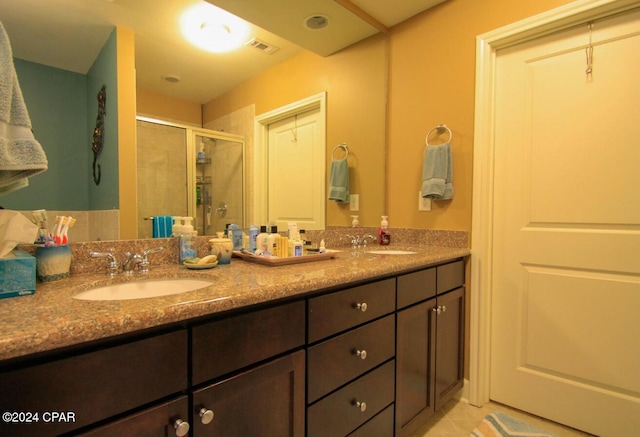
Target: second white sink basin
{"points": [[142, 289], [392, 252]]}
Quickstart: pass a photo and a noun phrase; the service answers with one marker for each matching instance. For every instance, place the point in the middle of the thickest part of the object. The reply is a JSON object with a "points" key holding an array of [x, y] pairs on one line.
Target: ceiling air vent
{"points": [[262, 46]]}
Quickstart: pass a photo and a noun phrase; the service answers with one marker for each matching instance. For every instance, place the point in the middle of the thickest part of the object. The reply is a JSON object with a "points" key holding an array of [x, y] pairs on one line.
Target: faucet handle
{"points": [[143, 267], [112, 262]]}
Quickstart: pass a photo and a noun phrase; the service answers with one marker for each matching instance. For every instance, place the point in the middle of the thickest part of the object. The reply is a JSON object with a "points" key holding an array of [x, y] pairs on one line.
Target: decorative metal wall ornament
{"points": [[98, 132]]}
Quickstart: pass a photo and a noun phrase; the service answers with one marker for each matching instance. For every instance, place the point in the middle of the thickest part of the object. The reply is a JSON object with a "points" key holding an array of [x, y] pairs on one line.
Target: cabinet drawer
{"points": [[450, 276], [415, 287], [379, 426], [155, 422], [335, 362], [230, 344], [335, 312], [96, 385], [342, 412]]}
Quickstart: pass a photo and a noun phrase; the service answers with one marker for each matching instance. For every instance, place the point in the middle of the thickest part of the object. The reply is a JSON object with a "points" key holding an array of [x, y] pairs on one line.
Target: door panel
{"points": [[567, 228], [297, 172]]}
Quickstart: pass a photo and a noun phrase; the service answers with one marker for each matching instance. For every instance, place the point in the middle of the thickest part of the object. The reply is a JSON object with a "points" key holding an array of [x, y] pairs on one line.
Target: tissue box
{"points": [[17, 274]]}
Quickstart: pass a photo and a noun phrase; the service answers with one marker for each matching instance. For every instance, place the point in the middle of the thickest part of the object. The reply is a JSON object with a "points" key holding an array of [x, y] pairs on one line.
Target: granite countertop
{"points": [[52, 319]]}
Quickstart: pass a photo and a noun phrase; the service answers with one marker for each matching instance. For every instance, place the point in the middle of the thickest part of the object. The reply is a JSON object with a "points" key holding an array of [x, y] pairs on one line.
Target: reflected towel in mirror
{"points": [[339, 181], [21, 155]]}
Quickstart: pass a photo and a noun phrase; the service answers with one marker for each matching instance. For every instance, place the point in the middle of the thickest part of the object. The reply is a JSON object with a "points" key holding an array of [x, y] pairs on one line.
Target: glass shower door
{"points": [[218, 197]]}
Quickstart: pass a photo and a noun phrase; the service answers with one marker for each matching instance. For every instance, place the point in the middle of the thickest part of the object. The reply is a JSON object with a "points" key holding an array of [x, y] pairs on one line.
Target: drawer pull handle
{"points": [[439, 309], [181, 427], [444, 308], [362, 406], [206, 415], [362, 354], [362, 306]]}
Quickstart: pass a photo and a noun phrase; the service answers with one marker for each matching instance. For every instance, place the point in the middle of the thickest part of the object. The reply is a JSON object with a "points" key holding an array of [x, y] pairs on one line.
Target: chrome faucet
{"points": [[131, 260], [357, 240], [142, 261]]}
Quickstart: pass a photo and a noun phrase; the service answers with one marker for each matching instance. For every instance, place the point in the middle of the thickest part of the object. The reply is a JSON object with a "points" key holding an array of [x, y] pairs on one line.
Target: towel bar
{"points": [[441, 128], [341, 146]]}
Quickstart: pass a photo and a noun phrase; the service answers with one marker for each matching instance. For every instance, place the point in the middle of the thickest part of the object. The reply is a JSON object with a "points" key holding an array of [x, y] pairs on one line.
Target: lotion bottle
{"points": [[186, 240], [262, 240], [384, 238], [272, 240]]}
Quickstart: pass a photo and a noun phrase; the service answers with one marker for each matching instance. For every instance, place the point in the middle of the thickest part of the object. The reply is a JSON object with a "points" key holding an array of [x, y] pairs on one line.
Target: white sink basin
{"points": [[142, 289], [392, 252]]}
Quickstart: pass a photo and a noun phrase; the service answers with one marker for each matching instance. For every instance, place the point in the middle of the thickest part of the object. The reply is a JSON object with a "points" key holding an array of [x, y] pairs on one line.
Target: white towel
{"points": [[437, 173], [21, 155]]}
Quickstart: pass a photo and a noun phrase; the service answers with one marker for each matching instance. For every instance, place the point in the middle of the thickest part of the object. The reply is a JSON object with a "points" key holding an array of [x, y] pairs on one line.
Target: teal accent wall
{"points": [[56, 100], [104, 72], [63, 107]]}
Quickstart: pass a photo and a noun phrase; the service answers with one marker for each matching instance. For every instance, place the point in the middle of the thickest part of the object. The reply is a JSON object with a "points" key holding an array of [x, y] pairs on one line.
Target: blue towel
{"points": [[339, 181], [162, 225], [437, 174]]}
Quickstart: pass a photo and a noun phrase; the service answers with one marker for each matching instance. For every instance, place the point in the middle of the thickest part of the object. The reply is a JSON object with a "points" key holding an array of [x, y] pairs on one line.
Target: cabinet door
{"points": [[415, 371], [449, 345], [265, 401], [161, 421]]}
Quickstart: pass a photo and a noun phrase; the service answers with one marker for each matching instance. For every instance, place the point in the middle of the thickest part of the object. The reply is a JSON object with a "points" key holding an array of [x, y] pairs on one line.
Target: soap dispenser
{"points": [[186, 240], [384, 238]]}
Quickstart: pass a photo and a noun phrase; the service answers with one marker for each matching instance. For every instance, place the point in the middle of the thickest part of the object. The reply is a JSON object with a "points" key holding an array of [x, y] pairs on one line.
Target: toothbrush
{"points": [[70, 221], [58, 229]]}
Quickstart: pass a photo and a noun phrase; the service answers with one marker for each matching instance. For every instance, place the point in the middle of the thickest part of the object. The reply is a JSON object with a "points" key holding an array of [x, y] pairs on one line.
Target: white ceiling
{"points": [[68, 34]]}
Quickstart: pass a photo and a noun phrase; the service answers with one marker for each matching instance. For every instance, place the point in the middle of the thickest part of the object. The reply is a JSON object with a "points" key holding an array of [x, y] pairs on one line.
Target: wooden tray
{"points": [[272, 261]]}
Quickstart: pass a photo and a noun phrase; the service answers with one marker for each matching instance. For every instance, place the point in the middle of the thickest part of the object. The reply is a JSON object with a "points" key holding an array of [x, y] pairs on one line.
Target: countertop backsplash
{"points": [[334, 237]]}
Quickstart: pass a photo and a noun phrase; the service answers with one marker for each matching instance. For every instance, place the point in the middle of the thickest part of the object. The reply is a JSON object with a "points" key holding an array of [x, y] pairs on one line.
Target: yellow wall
{"points": [[155, 105], [125, 40], [432, 81], [355, 82]]}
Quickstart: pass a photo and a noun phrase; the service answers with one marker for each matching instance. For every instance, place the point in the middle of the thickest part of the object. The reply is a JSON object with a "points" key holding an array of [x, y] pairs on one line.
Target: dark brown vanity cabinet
{"points": [[429, 343], [350, 359], [92, 386]]}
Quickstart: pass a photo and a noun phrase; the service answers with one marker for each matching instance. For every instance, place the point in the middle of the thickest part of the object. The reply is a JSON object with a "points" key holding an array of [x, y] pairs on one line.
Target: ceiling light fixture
{"points": [[213, 29]]}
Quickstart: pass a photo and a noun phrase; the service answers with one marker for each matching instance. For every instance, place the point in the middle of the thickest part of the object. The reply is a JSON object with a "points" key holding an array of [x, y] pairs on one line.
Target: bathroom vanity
{"points": [[367, 345]]}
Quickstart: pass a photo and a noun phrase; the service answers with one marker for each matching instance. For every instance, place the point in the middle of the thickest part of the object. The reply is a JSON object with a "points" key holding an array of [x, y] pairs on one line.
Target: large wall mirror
{"points": [[178, 82]]}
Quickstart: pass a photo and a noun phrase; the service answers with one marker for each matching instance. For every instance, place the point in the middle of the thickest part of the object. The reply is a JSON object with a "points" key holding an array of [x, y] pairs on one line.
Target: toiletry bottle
{"points": [[303, 239], [235, 233], [254, 230], [384, 238], [272, 240], [355, 223], [322, 248], [201, 155], [261, 239]]}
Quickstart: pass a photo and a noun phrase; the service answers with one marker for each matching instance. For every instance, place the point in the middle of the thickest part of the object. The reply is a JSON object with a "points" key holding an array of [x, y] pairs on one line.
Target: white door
{"points": [[566, 280], [297, 172]]}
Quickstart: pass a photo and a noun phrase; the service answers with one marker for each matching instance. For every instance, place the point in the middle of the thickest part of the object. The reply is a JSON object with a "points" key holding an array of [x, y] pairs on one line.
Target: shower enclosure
{"points": [[173, 179]]}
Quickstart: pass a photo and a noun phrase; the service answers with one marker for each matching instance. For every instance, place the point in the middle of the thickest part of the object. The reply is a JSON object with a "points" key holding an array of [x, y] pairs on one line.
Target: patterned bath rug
{"points": [[502, 425]]}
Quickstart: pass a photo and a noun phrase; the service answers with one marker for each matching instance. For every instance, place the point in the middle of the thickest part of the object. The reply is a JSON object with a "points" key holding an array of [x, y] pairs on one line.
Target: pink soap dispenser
{"points": [[384, 238]]}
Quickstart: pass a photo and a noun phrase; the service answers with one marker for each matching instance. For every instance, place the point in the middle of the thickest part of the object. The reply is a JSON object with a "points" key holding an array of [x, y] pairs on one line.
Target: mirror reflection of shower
{"points": [[185, 171]]}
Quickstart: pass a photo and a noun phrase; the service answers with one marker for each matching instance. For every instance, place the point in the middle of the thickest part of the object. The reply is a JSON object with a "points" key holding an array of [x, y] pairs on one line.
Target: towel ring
{"points": [[441, 128], [340, 146]]}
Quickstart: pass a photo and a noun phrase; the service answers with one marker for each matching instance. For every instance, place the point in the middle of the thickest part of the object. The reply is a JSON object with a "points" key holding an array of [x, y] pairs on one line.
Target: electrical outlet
{"points": [[354, 202], [424, 203]]}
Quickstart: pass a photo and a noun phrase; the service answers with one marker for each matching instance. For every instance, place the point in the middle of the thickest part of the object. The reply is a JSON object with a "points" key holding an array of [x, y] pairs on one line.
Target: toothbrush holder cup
{"points": [[52, 263]]}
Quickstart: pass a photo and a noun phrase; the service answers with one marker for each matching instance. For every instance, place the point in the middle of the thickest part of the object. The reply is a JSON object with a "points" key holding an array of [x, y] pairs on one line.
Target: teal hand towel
{"points": [[21, 155], [339, 181], [437, 173]]}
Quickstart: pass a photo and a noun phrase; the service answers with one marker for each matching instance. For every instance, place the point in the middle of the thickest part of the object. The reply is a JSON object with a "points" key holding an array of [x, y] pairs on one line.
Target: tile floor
{"points": [[457, 419]]}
